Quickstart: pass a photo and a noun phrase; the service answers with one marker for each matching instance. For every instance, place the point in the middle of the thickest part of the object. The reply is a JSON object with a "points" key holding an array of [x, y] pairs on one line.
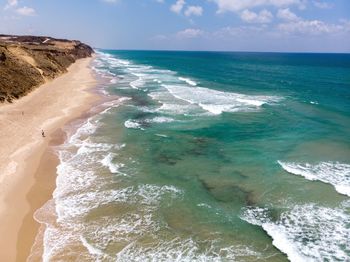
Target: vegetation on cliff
{"points": [[29, 61]]}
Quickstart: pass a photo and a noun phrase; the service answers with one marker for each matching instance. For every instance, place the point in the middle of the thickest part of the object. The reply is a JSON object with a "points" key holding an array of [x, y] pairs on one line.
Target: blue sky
{"points": [[232, 25]]}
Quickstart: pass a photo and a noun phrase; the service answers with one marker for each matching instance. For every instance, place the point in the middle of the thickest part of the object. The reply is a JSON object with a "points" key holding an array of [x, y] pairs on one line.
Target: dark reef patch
{"points": [[227, 191]]}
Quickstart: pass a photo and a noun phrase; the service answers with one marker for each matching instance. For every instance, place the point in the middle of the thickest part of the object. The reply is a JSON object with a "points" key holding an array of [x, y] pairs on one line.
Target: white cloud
{"points": [[238, 5], [190, 33], [286, 14], [312, 27], [26, 11], [262, 17], [178, 6], [194, 10], [11, 4], [322, 5], [241, 31], [160, 37]]}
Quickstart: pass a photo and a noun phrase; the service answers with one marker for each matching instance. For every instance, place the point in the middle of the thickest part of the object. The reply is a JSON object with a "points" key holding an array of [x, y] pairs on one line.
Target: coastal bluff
{"points": [[27, 62]]}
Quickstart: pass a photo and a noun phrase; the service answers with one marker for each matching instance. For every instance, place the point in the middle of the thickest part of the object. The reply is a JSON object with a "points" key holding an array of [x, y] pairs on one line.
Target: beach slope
{"points": [[22, 148]]}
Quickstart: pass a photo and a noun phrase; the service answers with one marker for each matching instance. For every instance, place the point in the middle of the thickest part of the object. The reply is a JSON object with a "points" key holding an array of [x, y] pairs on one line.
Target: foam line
{"points": [[333, 173]]}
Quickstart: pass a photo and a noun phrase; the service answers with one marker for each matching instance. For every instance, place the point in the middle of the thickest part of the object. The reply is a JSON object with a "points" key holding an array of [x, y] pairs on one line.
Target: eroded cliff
{"points": [[26, 62]]}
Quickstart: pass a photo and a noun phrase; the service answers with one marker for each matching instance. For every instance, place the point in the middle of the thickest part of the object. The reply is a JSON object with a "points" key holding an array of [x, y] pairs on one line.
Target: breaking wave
{"points": [[180, 95], [306, 232], [334, 173]]}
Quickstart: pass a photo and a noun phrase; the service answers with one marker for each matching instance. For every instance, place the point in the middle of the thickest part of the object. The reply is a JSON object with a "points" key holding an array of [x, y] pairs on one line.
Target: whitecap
{"points": [[186, 250], [204, 205], [188, 81], [114, 80], [157, 81], [88, 147], [107, 161], [113, 104], [136, 84], [334, 173], [306, 232], [92, 250], [161, 119], [216, 102], [177, 109], [132, 124], [161, 135]]}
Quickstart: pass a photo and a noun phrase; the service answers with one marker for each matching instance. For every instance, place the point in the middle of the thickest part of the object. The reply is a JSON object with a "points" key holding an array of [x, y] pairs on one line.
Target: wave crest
{"points": [[334, 173]]}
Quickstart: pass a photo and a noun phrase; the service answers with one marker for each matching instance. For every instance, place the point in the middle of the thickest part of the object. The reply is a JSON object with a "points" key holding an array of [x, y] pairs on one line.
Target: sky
{"points": [[223, 25]]}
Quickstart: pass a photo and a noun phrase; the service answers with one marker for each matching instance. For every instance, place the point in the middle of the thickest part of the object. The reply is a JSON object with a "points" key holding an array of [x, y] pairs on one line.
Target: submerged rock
{"points": [[165, 158], [226, 190]]}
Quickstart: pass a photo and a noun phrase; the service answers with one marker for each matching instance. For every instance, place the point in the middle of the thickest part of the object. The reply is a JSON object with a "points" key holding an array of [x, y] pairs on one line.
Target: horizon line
{"points": [[221, 51]]}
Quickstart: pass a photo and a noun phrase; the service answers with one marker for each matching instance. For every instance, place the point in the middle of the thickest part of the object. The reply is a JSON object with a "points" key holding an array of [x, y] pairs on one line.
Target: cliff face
{"points": [[29, 61]]}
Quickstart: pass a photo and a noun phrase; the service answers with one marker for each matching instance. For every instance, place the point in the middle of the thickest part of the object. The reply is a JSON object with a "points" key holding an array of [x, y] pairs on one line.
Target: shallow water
{"points": [[208, 157]]}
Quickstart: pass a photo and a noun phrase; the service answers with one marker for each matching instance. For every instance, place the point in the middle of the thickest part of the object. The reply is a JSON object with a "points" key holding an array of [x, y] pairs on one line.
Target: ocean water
{"points": [[207, 156]]}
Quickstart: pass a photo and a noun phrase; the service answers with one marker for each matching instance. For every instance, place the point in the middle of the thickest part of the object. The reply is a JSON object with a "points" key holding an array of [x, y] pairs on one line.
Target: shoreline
{"points": [[40, 192], [27, 161]]}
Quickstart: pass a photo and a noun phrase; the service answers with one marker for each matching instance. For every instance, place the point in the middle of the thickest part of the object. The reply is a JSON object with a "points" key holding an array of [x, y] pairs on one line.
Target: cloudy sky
{"points": [[232, 25]]}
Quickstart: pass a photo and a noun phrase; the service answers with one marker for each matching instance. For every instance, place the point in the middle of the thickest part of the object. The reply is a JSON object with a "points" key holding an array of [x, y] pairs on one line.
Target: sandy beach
{"points": [[27, 165]]}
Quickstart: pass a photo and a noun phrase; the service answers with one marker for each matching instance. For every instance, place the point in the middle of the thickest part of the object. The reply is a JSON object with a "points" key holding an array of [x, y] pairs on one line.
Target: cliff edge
{"points": [[29, 61]]}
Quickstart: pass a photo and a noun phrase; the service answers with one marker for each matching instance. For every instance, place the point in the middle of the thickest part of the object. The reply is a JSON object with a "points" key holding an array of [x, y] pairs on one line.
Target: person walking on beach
{"points": [[42, 133]]}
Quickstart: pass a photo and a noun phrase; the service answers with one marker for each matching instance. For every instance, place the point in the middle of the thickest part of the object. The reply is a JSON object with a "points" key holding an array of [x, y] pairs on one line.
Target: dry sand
{"points": [[27, 166]]}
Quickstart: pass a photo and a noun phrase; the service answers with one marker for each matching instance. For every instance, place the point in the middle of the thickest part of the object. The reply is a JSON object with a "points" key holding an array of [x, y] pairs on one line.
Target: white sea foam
{"points": [[306, 232], [113, 104], [80, 190], [105, 73], [157, 81], [88, 128], [132, 124], [334, 173], [108, 60], [188, 81], [88, 147], [217, 102], [204, 205], [126, 230], [75, 175], [114, 80], [136, 84], [161, 135], [144, 74], [177, 109], [92, 250], [146, 109], [185, 250], [73, 206], [113, 167], [161, 119], [189, 99]]}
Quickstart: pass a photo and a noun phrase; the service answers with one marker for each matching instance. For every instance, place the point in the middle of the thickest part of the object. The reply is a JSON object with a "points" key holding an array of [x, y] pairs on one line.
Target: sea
{"points": [[206, 156]]}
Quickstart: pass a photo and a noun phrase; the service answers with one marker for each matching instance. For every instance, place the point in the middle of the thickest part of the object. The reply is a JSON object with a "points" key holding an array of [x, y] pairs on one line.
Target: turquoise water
{"points": [[206, 156]]}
